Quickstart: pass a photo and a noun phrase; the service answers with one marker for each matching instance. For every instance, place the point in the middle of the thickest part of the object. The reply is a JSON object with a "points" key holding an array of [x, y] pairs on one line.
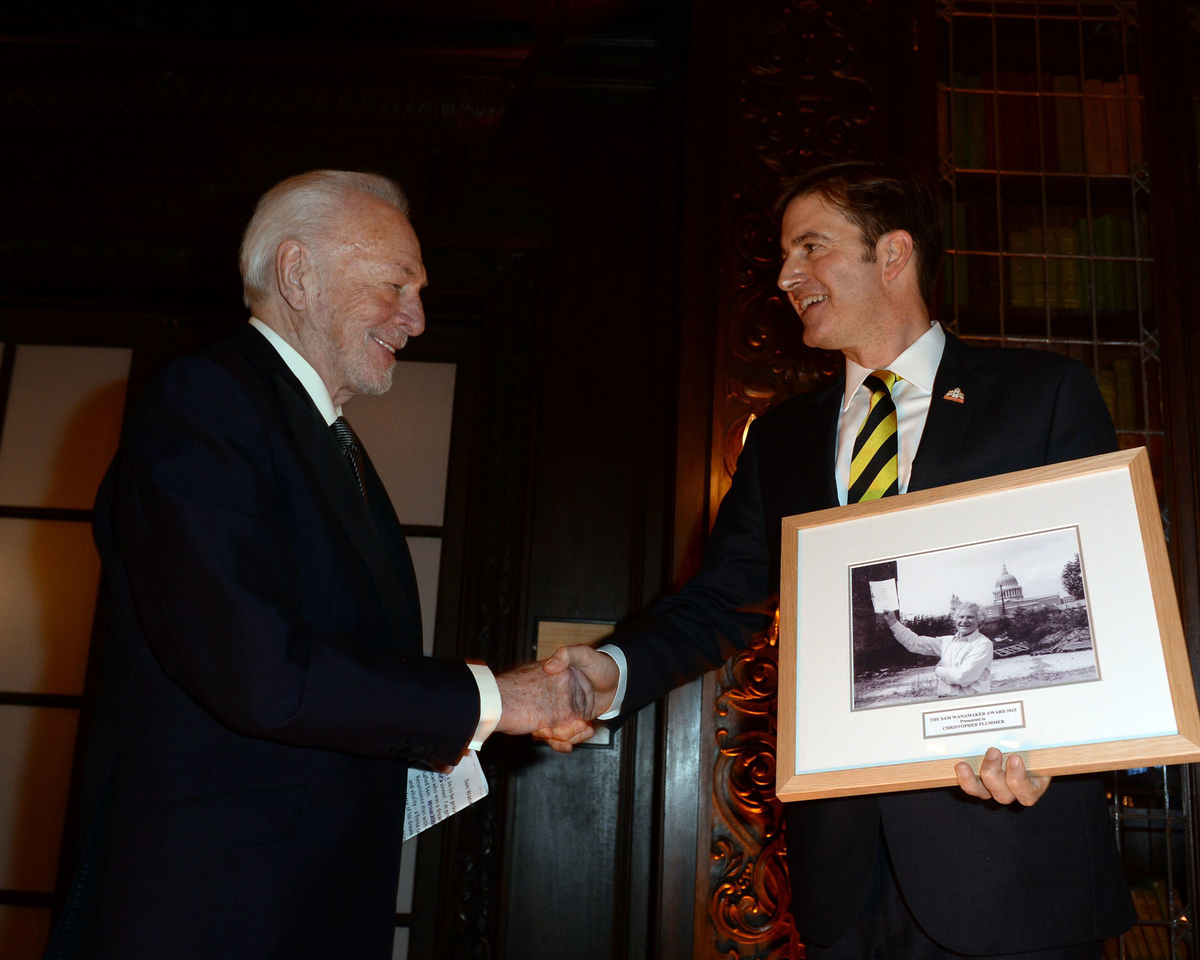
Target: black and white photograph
{"points": [[981, 618]]}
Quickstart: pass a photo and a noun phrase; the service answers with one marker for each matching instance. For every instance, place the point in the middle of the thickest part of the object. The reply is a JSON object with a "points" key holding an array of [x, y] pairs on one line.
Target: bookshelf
{"points": [[1046, 192]]}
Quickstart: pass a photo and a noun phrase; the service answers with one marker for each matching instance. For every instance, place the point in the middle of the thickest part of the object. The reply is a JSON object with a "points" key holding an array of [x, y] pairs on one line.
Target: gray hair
{"points": [[970, 606], [303, 208]]}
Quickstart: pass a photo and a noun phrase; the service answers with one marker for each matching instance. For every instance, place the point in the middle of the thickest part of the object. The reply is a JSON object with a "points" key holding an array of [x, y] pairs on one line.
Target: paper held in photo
{"points": [[432, 797], [883, 595]]}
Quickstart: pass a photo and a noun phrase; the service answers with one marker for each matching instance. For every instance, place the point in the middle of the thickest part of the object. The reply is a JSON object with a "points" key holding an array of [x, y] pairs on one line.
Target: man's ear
{"points": [[294, 274], [896, 249]]}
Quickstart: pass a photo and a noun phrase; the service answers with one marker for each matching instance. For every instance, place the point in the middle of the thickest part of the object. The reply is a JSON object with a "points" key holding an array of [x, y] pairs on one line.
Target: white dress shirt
{"points": [[917, 367], [964, 663], [489, 692]]}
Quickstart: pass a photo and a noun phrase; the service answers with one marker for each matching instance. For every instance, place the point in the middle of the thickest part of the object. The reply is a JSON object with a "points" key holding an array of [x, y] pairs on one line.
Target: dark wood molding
{"points": [[57, 701], [809, 83], [45, 513], [457, 893], [26, 898], [1167, 43]]}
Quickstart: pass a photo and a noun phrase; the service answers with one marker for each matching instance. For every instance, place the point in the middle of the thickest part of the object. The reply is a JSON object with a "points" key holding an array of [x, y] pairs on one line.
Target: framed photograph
{"points": [[1033, 612]]}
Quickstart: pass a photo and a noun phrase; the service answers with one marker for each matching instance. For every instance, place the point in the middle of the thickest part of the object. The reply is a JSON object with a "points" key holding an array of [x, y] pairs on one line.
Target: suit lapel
{"points": [[949, 420], [801, 454], [323, 457], [824, 441]]}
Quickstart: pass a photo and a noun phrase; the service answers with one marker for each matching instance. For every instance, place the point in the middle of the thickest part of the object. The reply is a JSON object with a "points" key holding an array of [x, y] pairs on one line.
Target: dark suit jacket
{"points": [[979, 878], [264, 684]]}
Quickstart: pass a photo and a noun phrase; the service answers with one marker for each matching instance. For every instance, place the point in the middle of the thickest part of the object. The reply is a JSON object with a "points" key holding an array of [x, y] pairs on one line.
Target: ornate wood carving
{"points": [[806, 94]]}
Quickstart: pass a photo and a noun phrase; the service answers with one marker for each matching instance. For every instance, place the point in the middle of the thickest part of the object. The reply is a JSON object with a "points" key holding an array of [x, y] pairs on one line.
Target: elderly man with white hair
{"points": [[264, 691], [964, 658]]}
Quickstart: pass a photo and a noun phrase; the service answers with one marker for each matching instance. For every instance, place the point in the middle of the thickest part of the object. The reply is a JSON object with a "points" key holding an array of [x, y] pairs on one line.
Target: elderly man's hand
{"points": [[533, 699], [601, 671], [1001, 782]]}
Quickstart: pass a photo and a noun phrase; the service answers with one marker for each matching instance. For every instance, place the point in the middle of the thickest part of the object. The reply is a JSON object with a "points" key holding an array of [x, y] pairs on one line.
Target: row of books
{"points": [[1067, 284], [1095, 126], [1037, 282]]}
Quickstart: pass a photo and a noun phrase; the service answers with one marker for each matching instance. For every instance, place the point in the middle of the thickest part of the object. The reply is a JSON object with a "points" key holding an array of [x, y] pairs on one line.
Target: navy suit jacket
{"points": [[980, 878], [264, 687]]}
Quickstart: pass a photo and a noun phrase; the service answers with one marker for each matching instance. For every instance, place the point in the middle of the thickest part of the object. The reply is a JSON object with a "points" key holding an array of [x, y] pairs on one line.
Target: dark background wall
{"points": [[590, 180], [540, 145]]}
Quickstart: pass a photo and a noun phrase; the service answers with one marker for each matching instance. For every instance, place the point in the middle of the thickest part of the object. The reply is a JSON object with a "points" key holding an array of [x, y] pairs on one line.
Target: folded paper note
{"points": [[883, 595], [432, 797]]}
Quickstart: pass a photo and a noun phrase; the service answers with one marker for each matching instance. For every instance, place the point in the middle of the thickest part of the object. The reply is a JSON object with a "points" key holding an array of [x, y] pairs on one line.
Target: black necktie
{"points": [[351, 449]]}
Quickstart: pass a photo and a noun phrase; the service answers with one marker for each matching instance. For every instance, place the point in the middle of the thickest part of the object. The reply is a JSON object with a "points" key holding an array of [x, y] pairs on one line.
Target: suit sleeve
{"points": [[208, 541], [718, 611]]}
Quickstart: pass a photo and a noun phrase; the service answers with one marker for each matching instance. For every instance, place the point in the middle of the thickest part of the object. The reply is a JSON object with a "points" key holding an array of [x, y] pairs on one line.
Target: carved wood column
{"points": [[805, 90]]}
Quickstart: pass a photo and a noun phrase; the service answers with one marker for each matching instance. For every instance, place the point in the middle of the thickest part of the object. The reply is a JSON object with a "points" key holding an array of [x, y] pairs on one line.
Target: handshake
{"points": [[556, 699]]}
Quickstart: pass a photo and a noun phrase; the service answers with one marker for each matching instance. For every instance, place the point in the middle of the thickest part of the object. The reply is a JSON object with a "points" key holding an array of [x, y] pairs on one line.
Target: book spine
{"points": [[1116, 127], [1037, 270], [1137, 143], [1019, 293], [1068, 118], [1069, 270], [1053, 272], [1104, 229], [1095, 129], [1045, 119]]}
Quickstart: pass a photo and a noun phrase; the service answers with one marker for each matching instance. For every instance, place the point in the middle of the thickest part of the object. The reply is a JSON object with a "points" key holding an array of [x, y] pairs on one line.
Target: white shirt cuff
{"points": [[489, 704], [623, 668]]}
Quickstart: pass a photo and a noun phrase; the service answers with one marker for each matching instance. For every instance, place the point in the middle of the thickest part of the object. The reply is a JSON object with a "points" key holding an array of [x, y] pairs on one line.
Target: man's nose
{"points": [[412, 317], [790, 277]]}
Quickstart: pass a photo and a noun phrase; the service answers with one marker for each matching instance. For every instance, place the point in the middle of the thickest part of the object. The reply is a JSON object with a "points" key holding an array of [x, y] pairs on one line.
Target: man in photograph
{"points": [[964, 657], [1004, 864], [264, 691]]}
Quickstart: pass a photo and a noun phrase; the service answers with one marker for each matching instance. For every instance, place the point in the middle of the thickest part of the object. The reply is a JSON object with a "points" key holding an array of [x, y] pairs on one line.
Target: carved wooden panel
{"points": [[806, 93]]}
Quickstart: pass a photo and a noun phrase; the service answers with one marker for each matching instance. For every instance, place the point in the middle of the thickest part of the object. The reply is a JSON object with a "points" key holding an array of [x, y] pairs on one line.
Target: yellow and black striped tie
{"points": [[874, 469]]}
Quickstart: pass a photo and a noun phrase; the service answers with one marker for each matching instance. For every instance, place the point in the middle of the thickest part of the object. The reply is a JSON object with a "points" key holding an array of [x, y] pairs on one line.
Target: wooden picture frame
{"points": [[846, 727]]}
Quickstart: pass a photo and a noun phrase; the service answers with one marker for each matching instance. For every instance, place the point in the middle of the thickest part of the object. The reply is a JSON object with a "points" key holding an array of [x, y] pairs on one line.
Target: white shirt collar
{"points": [[308, 377], [916, 365]]}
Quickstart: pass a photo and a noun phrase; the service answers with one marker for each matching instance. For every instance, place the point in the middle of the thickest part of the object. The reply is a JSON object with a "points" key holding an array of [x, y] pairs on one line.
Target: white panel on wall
{"points": [[400, 944], [407, 434], [36, 747], [408, 872], [49, 576], [62, 424], [24, 932], [427, 561]]}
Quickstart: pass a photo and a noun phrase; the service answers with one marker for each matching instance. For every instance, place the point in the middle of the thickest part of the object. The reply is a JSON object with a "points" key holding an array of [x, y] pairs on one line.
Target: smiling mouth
{"points": [[803, 303], [392, 349]]}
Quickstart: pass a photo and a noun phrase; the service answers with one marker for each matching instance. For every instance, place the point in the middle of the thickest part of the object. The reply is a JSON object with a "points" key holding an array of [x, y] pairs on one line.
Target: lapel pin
{"points": [[956, 395]]}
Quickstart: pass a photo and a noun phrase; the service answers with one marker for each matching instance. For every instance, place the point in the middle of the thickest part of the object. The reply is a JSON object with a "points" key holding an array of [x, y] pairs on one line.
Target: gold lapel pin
{"points": [[956, 395]]}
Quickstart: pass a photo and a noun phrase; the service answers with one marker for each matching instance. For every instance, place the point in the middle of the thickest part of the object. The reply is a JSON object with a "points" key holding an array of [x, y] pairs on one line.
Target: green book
{"points": [[1037, 270], [1019, 294], [1126, 269], [1069, 270], [1053, 271], [1104, 236]]}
